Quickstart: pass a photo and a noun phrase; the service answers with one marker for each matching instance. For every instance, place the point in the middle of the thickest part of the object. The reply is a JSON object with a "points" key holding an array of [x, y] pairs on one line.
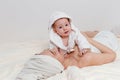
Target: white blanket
{"points": [[108, 71], [107, 38], [14, 55]]}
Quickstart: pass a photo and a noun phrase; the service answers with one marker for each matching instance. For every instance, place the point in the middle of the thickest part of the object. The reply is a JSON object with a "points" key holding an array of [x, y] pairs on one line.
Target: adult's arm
{"points": [[107, 55]]}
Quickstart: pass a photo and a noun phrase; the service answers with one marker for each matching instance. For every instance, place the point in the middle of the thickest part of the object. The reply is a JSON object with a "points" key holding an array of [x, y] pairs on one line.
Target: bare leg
{"points": [[89, 34]]}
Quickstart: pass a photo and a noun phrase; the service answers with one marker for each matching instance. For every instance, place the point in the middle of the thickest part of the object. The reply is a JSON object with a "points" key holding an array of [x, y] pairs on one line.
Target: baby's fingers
{"points": [[80, 54]]}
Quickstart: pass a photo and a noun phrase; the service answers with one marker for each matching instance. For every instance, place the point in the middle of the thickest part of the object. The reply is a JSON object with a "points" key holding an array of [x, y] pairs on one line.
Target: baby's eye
{"points": [[59, 27], [66, 25]]}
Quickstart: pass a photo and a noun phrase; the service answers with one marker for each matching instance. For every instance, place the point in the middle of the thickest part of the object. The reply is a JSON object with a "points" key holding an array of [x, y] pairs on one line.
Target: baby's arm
{"points": [[83, 44], [85, 50], [52, 45]]}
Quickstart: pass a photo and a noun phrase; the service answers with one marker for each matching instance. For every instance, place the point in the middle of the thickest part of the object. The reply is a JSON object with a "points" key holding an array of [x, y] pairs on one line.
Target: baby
{"points": [[64, 35]]}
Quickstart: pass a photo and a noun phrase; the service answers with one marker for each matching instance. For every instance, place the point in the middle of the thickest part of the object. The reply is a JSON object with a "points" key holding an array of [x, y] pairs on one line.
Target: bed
{"points": [[14, 55]]}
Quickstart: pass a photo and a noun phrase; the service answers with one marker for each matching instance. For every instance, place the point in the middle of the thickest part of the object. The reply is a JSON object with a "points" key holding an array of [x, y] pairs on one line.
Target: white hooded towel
{"points": [[75, 36]]}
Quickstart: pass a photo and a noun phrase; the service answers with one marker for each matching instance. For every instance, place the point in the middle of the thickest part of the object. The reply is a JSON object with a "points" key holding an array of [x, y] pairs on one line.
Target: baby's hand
{"points": [[84, 51]]}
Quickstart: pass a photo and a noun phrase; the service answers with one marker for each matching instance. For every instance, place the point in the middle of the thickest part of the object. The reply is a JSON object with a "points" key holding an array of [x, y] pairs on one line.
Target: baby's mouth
{"points": [[66, 32]]}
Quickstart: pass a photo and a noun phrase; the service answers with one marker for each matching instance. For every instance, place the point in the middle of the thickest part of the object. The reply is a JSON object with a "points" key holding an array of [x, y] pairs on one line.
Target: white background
{"points": [[24, 20]]}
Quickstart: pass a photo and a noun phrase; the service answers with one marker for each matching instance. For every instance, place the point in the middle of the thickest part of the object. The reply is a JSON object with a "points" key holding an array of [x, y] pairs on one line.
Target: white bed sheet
{"points": [[110, 71], [14, 55]]}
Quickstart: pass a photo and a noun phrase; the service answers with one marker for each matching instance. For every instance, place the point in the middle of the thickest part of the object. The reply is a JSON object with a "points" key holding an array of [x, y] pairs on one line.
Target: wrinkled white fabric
{"points": [[108, 39], [108, 71], [75, 36], [40, 67]]}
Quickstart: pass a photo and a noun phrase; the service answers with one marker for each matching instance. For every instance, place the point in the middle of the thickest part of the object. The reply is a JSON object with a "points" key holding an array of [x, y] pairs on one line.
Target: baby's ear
{"points": [[53, 27], [54, 30]]}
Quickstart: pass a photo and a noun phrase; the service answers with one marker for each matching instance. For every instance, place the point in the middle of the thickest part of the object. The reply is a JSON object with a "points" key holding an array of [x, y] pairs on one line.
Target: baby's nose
{"points": [[65, 28]]}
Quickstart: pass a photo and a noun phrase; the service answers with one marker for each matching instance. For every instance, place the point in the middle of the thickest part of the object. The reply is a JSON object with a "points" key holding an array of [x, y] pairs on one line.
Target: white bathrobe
{"points": [[75, 36]]}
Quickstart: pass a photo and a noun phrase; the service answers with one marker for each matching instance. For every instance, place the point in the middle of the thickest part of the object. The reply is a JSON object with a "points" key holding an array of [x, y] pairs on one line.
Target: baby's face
{"points": [[62, 27]]}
